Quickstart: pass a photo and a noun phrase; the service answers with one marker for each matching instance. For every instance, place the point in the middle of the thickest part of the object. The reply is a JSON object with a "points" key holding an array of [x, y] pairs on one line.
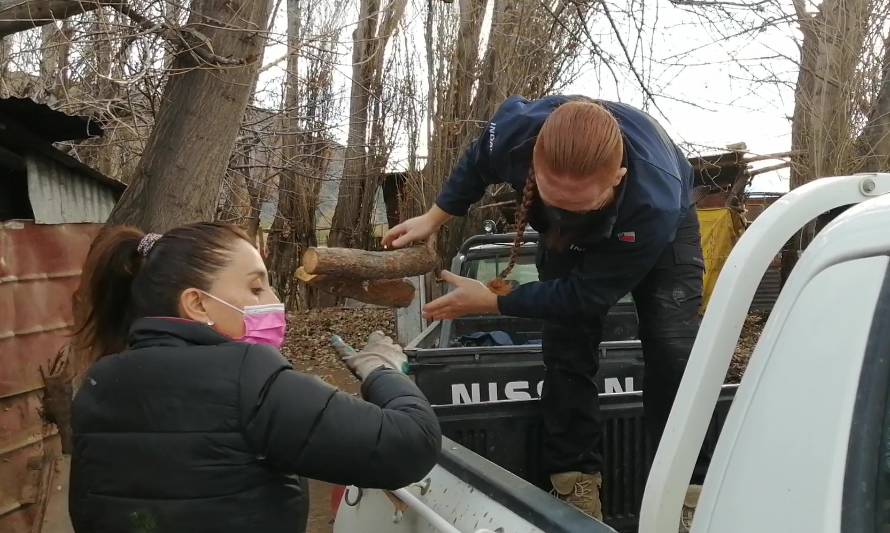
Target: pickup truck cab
{"points": [[804, 445]]}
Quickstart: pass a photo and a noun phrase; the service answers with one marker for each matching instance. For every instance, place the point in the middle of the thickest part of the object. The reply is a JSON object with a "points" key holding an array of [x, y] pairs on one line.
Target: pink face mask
{"points": [[263, 324]]}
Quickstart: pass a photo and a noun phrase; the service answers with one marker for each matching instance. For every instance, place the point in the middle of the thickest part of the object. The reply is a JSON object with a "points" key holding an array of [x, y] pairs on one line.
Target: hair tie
{"points": [[147, 243]]}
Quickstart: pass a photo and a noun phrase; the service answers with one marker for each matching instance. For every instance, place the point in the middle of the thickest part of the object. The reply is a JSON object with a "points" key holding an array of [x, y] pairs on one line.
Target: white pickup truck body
{"points": [[806, 443]]}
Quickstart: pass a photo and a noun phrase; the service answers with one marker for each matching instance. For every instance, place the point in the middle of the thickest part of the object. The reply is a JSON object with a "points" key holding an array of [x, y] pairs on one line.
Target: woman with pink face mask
{"points": [[190, 420]]}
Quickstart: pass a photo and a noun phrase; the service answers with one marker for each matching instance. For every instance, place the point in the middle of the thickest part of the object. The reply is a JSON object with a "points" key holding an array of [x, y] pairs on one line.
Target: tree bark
{"points": [[184, 162], [364, 265], [55, 46], [378, 145], [874, 142], [362, 169], [349, 196], [822, 124], [284, 243], [385, 292], [455, 125], [306, 153], [822, 139]]}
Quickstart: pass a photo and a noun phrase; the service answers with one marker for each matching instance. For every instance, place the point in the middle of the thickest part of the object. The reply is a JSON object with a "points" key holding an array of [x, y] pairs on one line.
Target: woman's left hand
{"points": [[469, 297]]}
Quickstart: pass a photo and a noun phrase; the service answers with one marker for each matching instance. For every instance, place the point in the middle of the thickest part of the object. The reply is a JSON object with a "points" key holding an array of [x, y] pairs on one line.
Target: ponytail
{"points": [[499, 284], [102, 303], [122, 282]]}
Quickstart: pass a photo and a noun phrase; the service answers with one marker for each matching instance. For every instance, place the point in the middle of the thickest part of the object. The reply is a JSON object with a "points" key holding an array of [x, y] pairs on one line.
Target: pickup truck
{"points": [[484, 375], [803, 446]]}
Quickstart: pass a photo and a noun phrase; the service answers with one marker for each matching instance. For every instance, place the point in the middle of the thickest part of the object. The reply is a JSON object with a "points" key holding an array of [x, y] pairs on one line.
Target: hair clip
{"points": [[147, 243]]}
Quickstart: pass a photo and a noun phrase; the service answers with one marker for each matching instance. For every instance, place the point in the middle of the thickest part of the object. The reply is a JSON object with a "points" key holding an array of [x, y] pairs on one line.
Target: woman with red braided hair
{"points": [[610, 194]]}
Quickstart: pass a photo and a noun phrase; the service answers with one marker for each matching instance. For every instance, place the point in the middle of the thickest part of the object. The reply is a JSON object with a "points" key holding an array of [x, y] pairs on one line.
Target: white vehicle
{"points": [[806, 443]]}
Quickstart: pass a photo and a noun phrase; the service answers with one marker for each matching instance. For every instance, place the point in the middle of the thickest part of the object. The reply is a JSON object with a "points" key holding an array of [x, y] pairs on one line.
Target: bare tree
{"points": [[250, 172], [55, 45], [827, 99], [198, 119], [529, 51], [822, 126], [350, 225], [306, 144], [874, 141]]}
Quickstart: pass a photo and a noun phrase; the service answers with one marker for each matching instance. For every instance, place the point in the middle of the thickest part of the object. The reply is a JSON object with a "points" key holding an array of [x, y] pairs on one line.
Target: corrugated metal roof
{"points": [[39, 271], [28, 129], [61, 195], [51, 125]]}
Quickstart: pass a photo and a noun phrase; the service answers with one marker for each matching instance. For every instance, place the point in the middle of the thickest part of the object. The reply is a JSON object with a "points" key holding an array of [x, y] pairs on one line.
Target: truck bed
{"points": [[486, 398], [483, 375]]}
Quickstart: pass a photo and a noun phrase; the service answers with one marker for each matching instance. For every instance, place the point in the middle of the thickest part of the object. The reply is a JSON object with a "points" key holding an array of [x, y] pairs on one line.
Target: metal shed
{"points": [[51, 208]]}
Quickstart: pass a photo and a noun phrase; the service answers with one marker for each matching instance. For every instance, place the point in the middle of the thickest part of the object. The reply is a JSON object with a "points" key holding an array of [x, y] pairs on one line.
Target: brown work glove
{"points": [[380, 350]]}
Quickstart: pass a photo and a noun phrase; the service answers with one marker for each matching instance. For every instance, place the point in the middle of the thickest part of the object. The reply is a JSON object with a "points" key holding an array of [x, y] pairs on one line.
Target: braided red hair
{"points": [[499, 285]]}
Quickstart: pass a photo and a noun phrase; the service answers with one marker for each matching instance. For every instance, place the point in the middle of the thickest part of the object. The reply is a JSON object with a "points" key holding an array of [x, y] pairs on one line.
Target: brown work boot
{"points": [[689, 505], [580, 490]]}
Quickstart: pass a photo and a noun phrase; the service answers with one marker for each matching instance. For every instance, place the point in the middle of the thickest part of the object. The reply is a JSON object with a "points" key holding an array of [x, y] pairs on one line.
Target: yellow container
{"points": [[721, 227]]}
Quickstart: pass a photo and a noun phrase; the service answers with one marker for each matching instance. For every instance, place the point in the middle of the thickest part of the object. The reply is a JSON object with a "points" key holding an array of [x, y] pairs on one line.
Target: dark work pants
{"points": [[667, 301]]}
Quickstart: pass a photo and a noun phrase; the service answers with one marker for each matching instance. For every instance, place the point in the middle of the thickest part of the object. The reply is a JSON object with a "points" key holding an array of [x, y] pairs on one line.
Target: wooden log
{"points": [[364, 265], [385, 292]]}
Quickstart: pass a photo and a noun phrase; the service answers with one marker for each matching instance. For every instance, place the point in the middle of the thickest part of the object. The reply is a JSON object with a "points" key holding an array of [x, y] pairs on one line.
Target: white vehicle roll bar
{"points": [[719, 333]]}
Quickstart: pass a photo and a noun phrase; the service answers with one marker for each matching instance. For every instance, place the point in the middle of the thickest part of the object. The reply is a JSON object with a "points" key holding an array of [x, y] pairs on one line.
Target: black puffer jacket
{"points": [[190, 432]]}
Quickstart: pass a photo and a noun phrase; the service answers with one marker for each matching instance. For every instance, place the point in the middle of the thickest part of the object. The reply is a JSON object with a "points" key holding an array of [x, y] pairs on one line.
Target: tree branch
{"points": [[717, 3], [630, 64], [191, 39], [20, 15]]}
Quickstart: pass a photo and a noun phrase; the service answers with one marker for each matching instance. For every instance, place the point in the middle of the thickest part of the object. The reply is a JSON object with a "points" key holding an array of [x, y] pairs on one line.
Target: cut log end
{"points": [[310, 261]]}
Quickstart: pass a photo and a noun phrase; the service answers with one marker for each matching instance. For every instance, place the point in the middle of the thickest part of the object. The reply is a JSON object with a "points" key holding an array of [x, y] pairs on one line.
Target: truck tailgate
{"points": [[463, 493]]}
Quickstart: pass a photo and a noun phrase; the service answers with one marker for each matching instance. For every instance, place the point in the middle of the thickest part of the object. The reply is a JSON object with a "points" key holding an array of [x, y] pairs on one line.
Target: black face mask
{"points": [[565, 228], [572, 222]]}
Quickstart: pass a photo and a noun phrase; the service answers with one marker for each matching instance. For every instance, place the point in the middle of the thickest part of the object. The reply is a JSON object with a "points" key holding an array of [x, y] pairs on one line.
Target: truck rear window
{"points": [[525, 271]]}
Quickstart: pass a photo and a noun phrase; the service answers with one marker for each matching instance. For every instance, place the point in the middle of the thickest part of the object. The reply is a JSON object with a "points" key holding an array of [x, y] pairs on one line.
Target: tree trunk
{"points": [[822, 127], [364, 265], [306, 153], [200, 113], [284, 246], [455, 126], [378, 147], [54, 47], [349, 197], [236, 199], [362, 168], [874, 142], [6, 44]]}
